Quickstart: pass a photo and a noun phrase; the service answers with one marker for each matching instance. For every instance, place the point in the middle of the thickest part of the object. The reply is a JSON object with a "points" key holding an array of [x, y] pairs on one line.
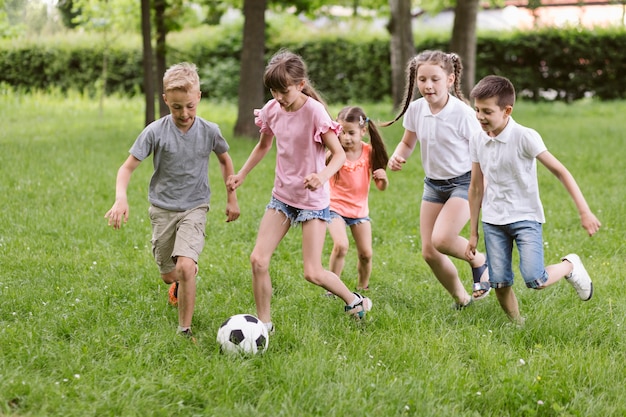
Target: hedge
{"points": [[571, 63]]}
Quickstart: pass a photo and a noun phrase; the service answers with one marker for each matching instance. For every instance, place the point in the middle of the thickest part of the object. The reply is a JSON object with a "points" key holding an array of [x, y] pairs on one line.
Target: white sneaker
{"points": [[579, 278]]}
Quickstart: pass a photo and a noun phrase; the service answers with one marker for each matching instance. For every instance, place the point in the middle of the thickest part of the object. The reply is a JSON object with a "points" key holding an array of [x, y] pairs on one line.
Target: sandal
{"points": [[479, 285]]}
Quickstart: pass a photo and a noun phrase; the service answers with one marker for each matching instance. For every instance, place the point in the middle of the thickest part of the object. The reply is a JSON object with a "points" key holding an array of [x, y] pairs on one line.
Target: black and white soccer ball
{"points": [[243, 334]]}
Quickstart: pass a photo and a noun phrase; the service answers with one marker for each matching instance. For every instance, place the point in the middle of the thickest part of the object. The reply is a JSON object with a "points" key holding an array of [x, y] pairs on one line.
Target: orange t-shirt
{"points": [[349, 187]]}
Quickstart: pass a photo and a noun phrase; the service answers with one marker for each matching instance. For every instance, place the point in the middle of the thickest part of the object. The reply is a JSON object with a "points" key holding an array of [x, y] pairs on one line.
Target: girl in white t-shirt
{"points": [[443, 125], [304, 130]]}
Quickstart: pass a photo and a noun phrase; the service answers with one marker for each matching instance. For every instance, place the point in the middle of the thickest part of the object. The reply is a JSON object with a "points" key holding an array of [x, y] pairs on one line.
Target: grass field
{"points": [[85, 328]]}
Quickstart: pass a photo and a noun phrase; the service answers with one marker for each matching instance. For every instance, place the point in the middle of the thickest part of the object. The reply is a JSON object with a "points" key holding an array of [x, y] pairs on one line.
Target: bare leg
{"points": [[439, 263], [337, 230], [508, 302], [274, 226], [313, 234], [362, 234], [185, 273], [556, 272]]}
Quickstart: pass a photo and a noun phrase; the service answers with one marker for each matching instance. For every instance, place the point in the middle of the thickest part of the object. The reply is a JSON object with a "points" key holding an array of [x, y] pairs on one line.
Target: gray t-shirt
{"points": [[181, 161]]}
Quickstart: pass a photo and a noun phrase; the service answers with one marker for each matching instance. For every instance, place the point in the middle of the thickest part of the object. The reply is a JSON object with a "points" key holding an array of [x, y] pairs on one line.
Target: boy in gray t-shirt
{"points": [[179, 193], [504, 184]]}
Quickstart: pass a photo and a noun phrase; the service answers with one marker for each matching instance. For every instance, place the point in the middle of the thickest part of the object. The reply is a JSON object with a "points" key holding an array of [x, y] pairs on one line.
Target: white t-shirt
{"points": [[443, 137], [509, 166]]}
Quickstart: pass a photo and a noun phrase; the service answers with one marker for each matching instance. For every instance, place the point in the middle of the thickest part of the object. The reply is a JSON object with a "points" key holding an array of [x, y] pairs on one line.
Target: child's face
{"points": [[290, 98], [183, 106], [351, 134], [434, 83], [492, 118]]}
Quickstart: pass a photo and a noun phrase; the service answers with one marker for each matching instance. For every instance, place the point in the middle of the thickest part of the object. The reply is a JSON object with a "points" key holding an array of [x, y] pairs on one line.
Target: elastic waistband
{"points": [[450, 181]]}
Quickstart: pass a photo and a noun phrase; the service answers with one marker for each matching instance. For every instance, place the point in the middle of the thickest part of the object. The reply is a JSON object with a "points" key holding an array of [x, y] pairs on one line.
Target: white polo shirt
{"points": [[444, 137], [509, 166]]}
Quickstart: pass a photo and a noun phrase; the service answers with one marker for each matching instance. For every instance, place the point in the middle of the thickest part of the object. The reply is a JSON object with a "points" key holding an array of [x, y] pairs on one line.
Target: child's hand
{"points": [[234, 181], [470, 251], [590, 223], [395, 162], [380, 174], [232, 212], [117, 214], [312, 182]]}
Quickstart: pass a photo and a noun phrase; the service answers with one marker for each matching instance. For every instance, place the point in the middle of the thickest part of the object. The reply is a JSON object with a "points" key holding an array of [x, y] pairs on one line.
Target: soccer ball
{"points": [[243, 334]]}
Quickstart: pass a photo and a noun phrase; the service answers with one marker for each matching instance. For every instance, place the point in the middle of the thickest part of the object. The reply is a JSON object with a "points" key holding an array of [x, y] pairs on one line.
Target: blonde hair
{"points": [[182, 77]]}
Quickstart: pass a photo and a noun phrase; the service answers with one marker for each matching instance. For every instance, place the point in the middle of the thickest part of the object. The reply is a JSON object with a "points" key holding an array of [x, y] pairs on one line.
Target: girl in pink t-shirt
{"points": [[349, 191], [303, 129]]}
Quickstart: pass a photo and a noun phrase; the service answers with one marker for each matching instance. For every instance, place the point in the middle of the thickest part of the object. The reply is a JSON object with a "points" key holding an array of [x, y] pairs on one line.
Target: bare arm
{"points": [[338, 156], [588, 220], [475, 197], [120, 210], [226, 166], [258, 153], [404, 149]]}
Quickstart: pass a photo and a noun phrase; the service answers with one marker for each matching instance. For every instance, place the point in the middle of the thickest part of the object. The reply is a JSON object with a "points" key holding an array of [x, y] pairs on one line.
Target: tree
{"points": [[252, 67], [148, 71], [463, 40], [401, 46]]}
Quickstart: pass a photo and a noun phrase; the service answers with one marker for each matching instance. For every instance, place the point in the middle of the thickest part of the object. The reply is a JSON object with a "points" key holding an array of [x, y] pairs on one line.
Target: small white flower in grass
{"points": [[95, 263], [407, 408], [479, 393], [539, 402], [522, 362], [77, 376], [65, 379]]}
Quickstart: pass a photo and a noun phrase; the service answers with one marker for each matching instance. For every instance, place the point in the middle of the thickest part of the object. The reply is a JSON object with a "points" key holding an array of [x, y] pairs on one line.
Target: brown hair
{"points": [[379, 150], [449, 62], [495, 86], [286, 68]]}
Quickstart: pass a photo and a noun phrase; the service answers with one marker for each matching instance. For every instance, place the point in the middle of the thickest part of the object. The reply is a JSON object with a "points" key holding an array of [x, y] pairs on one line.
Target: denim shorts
{"points": [[350, 221], [440, 191], [298, 215], [528, 238]]}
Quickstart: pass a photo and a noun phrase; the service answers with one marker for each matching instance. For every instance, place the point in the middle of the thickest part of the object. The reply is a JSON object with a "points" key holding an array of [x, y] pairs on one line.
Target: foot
{"points": [[481, 286], [461, 306], [579, 278], [188, 334], [359, 310]]}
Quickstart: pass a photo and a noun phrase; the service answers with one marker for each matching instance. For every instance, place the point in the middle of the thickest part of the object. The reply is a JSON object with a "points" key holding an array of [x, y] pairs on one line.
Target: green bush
{"points": [[566, 63]]}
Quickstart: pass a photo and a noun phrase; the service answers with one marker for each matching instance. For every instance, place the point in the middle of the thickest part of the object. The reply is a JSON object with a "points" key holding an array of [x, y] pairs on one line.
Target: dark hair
{"points": [[449, 62], [380, 156], [285, 69], [495, 86]]}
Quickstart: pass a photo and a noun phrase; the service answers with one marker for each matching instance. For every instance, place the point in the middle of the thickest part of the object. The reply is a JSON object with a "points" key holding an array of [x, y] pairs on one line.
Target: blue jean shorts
{"points": [[440, 191], [527, 236], [297, 215], [350, 221]]}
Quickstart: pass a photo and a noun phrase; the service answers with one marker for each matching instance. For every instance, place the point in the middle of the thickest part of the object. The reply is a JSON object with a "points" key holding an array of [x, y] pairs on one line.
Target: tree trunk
{"points": [[161, 34], [401, 46], [148, 73], [252, 66], [463, 40]]}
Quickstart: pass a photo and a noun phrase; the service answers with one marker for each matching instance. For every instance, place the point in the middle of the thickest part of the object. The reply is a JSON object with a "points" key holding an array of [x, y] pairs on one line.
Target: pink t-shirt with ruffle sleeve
{"points": [[300, 150], [349, 188]]}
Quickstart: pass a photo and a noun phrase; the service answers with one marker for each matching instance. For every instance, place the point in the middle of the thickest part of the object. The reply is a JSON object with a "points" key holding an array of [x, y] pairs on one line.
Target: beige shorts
{"points": [[177, 233]]}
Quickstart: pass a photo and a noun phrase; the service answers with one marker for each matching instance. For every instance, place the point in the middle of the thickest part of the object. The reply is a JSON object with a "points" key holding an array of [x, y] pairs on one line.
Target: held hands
{"points": [[590, 223], [117, 214], [395, 162], [234, 181]]}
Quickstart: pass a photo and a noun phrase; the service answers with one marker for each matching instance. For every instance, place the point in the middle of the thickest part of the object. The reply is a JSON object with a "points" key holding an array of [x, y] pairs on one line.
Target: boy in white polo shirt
{"points": [[504, 183]]}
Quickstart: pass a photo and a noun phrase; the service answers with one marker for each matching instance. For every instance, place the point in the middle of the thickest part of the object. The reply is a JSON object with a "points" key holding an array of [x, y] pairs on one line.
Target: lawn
{"points": [[85, 328]]}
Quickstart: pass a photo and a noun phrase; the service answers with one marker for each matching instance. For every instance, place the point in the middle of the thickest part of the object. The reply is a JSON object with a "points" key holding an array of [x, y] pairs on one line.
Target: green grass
{"points": [[85, 329]]}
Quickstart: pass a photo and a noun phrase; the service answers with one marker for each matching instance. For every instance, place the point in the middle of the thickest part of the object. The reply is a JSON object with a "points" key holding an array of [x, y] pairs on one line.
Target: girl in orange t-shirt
{"points": [[349, 190]]}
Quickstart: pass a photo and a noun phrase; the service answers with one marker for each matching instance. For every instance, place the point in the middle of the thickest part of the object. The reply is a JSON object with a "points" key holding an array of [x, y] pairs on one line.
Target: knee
{"points": [[440, 243], [429, 254], [340, 249], [365, 257], [314, 275], [258, 263]]}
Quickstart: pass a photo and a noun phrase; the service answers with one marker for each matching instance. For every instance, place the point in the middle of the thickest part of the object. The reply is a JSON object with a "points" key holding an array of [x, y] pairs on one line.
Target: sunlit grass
{"points": [[85, 329]]}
